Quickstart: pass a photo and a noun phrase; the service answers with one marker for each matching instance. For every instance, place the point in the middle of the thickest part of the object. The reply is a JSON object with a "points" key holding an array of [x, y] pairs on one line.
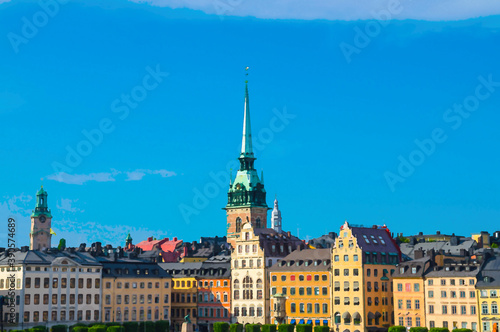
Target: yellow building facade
{"points": [[363, 260], [304, 278], [451, 299], [134, 291], [487, 293]]}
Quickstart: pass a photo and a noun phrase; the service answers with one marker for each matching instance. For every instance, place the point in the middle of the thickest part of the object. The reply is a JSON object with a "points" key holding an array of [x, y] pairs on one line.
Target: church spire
{"points": [[246, 142]]}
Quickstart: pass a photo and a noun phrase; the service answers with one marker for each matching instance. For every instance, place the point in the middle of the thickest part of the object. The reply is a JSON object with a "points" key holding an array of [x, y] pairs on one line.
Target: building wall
{"points": [[253, 213], [43, 299], [347, 300], [318, 301], [214, 300], [378, 296], [250, 300], [452, 316], [184, 301], [409, 302], [136, 299], [488, 314]]}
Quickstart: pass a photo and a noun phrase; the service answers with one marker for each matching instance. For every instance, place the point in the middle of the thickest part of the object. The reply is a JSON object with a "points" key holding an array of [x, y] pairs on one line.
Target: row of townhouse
{"points": [[109, 285], [70, 286], [348, 287], [440, 290]]}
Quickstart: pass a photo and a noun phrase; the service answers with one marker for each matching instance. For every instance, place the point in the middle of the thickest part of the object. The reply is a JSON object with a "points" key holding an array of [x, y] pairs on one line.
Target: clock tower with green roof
{"points": [[41, 221], [246, 198]]}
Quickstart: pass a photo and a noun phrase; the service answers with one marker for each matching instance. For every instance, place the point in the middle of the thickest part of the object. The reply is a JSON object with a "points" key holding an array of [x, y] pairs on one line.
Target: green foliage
{"points": [[268, 328], [462, 330], [493, 245], [162, 326], [303, 328], [80, 329], [39, 328], [115, 328], [112, 324], [397, 329], [131, 326], [98, 328], [16, 330], [221, 327], [236, 328], [62, 244], [403, 239], [419, 329], [59, 328], [439, 329], [285, 328], [252, 328], [321, 328], [146, 327]]}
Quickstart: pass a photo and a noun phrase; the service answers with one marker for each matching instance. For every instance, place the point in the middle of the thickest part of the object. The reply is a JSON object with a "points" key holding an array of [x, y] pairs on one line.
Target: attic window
{"points": [[374, 240], [414, 270], [366, 239], [447, 268], [486, 279], [381, 240], [401, 270]]}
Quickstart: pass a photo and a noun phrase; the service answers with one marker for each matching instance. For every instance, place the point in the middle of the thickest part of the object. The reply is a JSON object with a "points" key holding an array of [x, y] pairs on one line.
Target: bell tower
{"points": [[246, 198], [41, 221]]}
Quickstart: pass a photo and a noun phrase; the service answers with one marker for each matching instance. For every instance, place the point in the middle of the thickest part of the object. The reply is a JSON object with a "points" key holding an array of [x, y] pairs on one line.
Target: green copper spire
{"points": [[246, 142], [246, 189], [41, 206], [128, 240]]}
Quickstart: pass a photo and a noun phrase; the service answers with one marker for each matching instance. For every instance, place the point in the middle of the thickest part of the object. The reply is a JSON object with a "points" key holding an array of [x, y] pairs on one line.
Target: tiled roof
{"points": [[374, 240], [422, 265], [409, 249], [490, 274]]}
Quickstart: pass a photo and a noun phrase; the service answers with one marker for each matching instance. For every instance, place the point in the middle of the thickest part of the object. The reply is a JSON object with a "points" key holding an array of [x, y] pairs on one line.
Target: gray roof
{"points": [[491, 270], [297, 260], [409, 249], [454, 270], [422, 265], [181, 270], [34, 257], [388, 247], [324, 241]]}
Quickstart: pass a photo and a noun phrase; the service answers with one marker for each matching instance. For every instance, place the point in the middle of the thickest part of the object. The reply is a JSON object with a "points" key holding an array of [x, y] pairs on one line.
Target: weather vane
{"points": [[246, 74]]}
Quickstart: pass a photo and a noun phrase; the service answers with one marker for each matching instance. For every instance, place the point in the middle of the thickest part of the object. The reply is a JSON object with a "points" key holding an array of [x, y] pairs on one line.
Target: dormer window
{"points": [[447, 268], [413, 270], [401, 270]]}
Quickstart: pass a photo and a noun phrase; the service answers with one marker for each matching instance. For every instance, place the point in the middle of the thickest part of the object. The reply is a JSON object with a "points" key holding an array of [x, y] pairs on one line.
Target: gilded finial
{"points": [[246, 74]]}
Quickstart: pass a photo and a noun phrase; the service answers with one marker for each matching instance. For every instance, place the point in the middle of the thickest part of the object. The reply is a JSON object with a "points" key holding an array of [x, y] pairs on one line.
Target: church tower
{"points": [[246, 198], [41, 220], [276, 217]]}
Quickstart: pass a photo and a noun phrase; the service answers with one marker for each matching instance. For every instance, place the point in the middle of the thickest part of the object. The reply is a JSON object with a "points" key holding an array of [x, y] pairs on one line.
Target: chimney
{"points": [[82, 247], [419, 253], [24, 249], [175, 239], [420, 233], [438, 233], [150, 239], [289, 234]]}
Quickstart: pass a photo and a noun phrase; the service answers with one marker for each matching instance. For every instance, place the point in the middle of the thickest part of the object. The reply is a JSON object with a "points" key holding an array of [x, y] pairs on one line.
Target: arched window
{"points": [[238, 225], [258, 223], [259, 283], [236, 284], [247, 282], [251, 311]]}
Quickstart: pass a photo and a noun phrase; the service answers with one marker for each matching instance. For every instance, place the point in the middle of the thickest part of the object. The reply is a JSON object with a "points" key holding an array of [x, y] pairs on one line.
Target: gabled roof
{"points": [[374, 240], [489, 277]]}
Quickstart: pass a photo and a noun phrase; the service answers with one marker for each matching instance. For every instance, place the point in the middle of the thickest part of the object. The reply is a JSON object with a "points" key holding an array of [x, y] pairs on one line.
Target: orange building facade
{"points": [[304, 278]]}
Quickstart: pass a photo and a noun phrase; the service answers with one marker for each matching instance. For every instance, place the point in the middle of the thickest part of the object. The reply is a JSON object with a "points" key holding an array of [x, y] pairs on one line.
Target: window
{"points": [[484, 308], [416, 287], [309, 291], [453, 309], [430, 282], [494, 308], [400, 304], [431, 294], [325, 291], [443, 282], [408, 304], [444, 309], [463, 310], [292, 308], [346, 258], [301, 308], [472, 309], [309, 308], [443, 293], [431, 309], [336, 258], [400, 287], [417, 304], [355, 272]]}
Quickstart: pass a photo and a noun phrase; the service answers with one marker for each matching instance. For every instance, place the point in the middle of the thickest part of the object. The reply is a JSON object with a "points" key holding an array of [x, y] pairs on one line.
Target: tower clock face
{"points": [[42, 219]]}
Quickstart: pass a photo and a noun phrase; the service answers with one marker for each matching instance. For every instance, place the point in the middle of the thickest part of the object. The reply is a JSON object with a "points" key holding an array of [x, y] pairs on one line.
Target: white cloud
{"points": [[66, 204], [430, 10], [80, 179]]}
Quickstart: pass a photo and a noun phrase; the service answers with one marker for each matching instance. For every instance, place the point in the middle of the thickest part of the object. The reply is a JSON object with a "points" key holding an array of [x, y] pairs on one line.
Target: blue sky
{"points": [[338, 100]]}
